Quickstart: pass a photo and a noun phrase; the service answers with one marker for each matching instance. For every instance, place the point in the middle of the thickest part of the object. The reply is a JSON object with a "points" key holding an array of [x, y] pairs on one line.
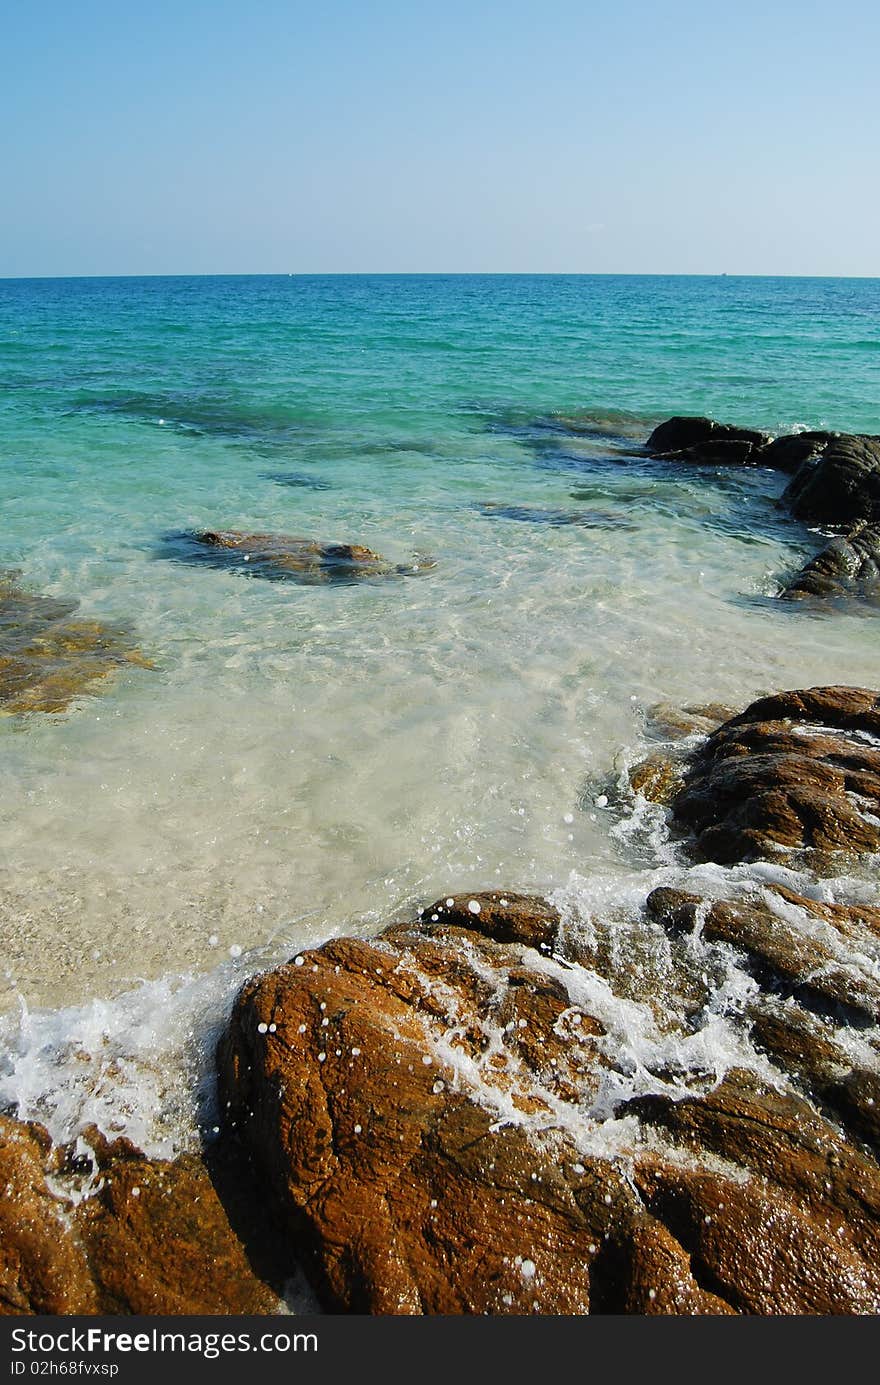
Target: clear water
{"points": [[306, 759]]}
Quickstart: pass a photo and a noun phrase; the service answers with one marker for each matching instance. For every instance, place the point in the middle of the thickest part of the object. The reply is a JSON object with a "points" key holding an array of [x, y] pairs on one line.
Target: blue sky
{"points": [[382, 136]]}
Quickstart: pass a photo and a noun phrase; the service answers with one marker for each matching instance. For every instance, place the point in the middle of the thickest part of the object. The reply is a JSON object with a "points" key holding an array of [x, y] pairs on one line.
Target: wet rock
{"points": [[115, 1232], [848, 566], [816, 964], [426, 1110], [705, 442], [839, 484], [826, 954], [793, 1227], [507, 918], [669, 722], [280, 556], [43, 1267], [798, 772], [789, 452], [656, 778], [413, 1199], [46, 658]]}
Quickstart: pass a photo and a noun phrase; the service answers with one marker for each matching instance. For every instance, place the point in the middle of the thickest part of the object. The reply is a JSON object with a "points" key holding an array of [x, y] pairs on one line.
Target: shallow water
{"points": [[309, 758]]}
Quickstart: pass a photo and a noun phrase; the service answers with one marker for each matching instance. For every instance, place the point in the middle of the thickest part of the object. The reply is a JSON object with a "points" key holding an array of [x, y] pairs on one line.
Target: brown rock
{"points": [[671, 722], [412, 1104], [151, 1238], [43, 1266], [286, 556], [413, 1198], [159, 1241], [831, 964], [506, 917], [793, 772], [47, 659], [656, 778]]}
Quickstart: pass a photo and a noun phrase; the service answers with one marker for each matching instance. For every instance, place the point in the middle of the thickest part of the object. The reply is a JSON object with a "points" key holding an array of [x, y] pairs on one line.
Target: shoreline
{"points": [[614, 1043]]}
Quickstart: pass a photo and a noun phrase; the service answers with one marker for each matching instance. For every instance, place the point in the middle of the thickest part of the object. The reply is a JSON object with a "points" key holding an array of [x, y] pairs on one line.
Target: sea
{"points": [[297, 759]]}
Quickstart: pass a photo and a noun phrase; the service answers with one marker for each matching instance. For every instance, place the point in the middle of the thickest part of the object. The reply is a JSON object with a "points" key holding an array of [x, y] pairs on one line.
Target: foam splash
{"points": [[140, 1065]]}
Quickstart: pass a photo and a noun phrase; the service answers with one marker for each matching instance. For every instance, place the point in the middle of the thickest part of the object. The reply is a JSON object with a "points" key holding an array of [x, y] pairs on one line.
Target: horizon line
{"points": [[431, 274]]}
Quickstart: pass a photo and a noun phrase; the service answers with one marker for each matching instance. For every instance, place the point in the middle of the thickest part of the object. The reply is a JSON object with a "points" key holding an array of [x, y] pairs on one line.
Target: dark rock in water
{"points": [[705, 442], [849, 566], [280, 556], [424, 1109], [298, 479], [554, 518], [151, 1238], [789, 452], [839, 484], [46, 658], [715, 452], [835, 476], [797, 772]]}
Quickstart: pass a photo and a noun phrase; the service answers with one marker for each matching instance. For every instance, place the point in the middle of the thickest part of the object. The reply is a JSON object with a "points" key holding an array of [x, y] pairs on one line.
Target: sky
{"points": [[569, 136]]}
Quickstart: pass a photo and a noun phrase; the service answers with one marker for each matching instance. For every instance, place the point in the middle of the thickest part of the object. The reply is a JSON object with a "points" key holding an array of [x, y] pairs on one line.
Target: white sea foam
{"points": [[140, 1065]]}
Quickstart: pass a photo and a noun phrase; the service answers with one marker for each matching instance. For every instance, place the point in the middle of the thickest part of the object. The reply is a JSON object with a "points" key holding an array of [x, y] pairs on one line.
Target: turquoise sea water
{"points": [[314, 757]]}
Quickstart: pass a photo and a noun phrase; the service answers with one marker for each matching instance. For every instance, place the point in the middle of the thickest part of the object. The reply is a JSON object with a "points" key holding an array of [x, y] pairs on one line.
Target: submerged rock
{"points": [[434, 1112], [137, 1235], [795, 773], [46, 658], [552, 517], [848, 567], [286, 556], [667, 721], [298, 480]]}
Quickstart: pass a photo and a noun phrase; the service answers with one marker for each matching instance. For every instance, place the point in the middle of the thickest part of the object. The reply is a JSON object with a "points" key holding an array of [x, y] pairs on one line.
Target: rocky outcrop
{"points": [[454, 1124], [705, 442], [795, 773], [282, 556], [823, 954], [102, 1229], [848, 567], [506, 918], [835, 476], [47, 658], [799, 1232], [840, 484], [790, 451]]}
